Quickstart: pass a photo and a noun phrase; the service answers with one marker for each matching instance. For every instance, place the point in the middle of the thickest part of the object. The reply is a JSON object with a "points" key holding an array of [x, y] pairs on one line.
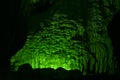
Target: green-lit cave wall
{"points": [[74, 37]]}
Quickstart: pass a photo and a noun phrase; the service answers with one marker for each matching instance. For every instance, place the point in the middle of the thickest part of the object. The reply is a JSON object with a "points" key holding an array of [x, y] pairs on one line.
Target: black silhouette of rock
{"points": [[113, 32]]}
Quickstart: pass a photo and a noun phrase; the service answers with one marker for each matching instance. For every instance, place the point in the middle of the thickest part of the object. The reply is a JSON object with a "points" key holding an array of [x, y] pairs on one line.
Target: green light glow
{"points": [[63, 43], [51, 48]]}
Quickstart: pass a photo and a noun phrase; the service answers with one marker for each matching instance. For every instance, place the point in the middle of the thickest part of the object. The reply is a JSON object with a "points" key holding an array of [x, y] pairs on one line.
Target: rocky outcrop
{"points": [[74, 37]]}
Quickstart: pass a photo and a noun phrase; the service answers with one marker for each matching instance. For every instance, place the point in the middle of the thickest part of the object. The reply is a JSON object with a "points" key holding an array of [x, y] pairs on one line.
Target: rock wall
{"points": [[74, 37]]}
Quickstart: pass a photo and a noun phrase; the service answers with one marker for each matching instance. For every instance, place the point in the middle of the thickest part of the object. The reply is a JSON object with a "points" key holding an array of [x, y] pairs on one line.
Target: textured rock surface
{"points": [[74, 37]]}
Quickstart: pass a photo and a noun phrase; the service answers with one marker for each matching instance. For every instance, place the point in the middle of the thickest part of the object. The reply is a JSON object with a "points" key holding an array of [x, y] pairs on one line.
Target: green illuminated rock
{"points": [[70, 42]]}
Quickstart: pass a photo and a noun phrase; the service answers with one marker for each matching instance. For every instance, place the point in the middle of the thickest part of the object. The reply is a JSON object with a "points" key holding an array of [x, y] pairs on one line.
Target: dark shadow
{"points": [[114, 34], [25, 68], [42, 6], [13, 34], [26, 73]]}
